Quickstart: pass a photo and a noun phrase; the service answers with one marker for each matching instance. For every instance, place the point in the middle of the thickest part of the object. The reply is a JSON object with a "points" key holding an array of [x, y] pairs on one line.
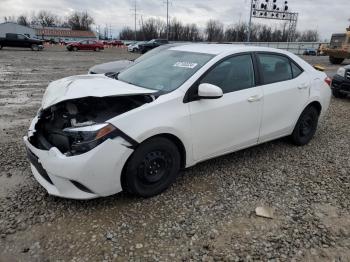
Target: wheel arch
{"points": [[173, 138], [315, 104]]}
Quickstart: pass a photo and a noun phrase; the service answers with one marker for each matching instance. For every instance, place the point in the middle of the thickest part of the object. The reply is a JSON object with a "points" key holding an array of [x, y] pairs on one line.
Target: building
{"points": [[14, 28], [64, 34]]}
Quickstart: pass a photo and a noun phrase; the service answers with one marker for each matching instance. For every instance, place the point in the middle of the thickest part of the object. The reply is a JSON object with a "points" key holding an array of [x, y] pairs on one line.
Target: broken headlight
{"points": [[88, 137]]}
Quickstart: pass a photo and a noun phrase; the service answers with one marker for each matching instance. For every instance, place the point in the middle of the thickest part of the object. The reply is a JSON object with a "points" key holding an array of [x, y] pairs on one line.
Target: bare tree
{"points": [[126, 33], [10, 19], [214, 31], [23, 20], [80, 21], [45, 18], [309, 36]]}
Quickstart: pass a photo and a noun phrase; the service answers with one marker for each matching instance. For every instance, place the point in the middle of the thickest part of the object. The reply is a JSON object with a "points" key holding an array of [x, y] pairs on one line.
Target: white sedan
{"points": [[95, 136]]}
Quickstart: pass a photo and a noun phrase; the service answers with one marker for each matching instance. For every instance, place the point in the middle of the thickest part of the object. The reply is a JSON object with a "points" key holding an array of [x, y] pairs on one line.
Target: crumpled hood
{"points": [[88, 85]]}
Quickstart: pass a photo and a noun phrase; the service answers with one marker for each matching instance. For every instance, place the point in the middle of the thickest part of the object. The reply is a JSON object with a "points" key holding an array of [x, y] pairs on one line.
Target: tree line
{"points": [[43, 18], [214, 31]]}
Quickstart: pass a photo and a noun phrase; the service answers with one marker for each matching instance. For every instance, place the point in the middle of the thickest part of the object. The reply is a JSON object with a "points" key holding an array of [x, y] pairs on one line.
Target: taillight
{"points": [[328, 81]]}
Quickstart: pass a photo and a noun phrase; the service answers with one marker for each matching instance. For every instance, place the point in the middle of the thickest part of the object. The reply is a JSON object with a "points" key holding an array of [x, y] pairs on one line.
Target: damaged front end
{"points": [[76, 126]]}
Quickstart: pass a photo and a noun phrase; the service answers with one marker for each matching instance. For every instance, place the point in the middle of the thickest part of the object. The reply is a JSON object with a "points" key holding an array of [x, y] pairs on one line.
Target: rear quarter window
{"points": [[296, 70]]}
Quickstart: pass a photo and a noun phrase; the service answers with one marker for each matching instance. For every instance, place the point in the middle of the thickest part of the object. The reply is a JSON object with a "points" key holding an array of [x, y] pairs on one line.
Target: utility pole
{"points": [[135, 10], [167, 19], [250, 21]]}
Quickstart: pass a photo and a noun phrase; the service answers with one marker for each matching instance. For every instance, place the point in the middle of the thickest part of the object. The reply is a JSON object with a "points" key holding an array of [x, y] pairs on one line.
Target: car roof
{"points": [[217, 49]]}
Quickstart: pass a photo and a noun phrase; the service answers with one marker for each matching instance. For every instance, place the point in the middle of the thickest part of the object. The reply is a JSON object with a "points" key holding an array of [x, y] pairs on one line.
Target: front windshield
{"points": [[165, 71], [152, 52]]}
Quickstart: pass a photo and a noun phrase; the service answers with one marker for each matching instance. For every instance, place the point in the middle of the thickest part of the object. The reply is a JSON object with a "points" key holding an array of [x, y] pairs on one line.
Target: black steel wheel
{"points": [[306, 126], [152, 168], [34, 47]]}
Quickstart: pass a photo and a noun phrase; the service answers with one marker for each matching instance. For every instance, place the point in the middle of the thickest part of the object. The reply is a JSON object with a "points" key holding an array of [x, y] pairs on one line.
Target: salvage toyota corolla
{"points": [[95, 135]]}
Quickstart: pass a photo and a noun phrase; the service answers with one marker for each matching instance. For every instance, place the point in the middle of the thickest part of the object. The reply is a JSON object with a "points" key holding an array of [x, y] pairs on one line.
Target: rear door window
{"points": [[274, 68]]}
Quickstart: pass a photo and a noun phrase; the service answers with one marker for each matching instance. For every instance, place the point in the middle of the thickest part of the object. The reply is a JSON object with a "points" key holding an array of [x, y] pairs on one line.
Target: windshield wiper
{"points": [[112, 75]]}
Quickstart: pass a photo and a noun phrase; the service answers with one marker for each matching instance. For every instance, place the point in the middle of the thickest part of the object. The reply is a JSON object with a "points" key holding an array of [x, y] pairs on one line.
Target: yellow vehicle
{"points": [[339, 48]]}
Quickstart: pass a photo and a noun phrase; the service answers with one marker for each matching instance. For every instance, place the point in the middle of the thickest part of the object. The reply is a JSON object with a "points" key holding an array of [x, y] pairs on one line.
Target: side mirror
{"points": [[209, 91]]}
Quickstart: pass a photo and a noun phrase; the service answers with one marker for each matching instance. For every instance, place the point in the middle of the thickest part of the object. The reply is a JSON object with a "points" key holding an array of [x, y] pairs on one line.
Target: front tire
{"points": [[0, 47], [306, 126], [336, 61], [34, 47], [97, 49], [152, 168], [75, 49]]}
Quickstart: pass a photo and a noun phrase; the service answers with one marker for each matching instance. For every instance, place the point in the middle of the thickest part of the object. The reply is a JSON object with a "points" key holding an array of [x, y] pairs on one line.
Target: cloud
{"points": [[325, 16]]}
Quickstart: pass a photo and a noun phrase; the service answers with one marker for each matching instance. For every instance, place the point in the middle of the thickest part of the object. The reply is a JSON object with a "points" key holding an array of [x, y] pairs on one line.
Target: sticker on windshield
{"points": [[185, 65]]}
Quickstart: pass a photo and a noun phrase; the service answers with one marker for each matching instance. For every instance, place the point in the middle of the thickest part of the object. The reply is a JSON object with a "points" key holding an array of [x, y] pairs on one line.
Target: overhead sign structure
{"points": [[271, 9]]}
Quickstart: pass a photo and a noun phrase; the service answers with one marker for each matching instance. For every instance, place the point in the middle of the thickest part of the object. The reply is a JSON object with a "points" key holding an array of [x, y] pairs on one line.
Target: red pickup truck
{"points": [[85, 45]]}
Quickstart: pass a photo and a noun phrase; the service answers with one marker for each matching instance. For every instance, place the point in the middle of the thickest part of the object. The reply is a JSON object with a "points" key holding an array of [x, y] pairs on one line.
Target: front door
{"points": [[231, 122]]}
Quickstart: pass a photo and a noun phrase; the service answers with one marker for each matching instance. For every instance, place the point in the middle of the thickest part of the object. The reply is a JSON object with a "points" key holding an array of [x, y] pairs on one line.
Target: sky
{"points": [[327, 16]]}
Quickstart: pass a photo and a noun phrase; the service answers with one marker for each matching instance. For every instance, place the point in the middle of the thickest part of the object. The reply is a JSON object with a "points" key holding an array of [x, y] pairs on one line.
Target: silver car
{"points": [[117, 66]]}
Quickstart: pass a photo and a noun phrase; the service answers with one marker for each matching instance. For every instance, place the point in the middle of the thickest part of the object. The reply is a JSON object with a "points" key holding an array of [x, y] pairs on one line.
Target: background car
{"points": [[117, 66], [341, 82], [85, 45], [135, 47], [19, 40], [115, 43], [152, 44], [310, 51]]}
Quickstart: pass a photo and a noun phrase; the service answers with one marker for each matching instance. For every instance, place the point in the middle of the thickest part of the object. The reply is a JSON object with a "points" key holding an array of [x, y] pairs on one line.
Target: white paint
{"points": [[206, 127]]}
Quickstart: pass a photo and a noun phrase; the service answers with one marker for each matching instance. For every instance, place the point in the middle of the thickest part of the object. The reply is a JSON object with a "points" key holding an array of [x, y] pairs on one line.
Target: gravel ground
{"points": [[207, 215]]}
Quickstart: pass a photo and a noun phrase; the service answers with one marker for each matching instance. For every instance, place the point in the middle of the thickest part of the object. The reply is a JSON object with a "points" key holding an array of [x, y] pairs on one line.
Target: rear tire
{"points": [[34, 47], [306, 126], [75, 49], [97, 49], [0, 47], [152, 168], [336, 61], [338, 94]]}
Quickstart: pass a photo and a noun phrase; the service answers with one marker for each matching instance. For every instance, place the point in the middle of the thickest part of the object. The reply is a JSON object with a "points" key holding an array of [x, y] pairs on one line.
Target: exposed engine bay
{"points": [[62, 125]]}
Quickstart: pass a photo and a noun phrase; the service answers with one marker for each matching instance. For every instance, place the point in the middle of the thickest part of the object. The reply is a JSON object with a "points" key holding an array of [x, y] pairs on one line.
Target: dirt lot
{"points": [[207, 215]]}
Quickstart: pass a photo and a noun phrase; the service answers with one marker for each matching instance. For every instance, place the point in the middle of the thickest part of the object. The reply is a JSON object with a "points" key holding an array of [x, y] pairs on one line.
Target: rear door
{"points": [[286, 90], [84, 45], [23, 41], [92, 44]]}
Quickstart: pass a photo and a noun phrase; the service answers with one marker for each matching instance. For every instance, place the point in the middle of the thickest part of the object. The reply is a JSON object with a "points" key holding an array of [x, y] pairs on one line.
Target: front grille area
{"points": [[35, 162], [347, 74]]}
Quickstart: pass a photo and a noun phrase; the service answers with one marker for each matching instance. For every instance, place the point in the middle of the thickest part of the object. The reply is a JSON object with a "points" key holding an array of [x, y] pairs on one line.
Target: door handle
{"points": [[254, 98], [303, 86]]}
